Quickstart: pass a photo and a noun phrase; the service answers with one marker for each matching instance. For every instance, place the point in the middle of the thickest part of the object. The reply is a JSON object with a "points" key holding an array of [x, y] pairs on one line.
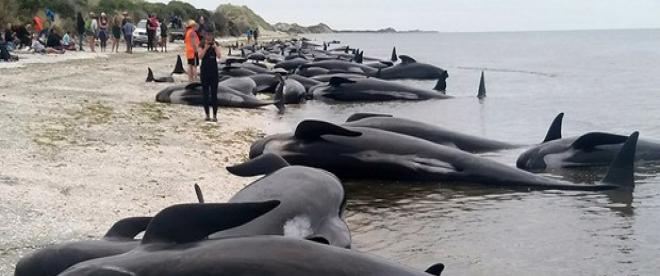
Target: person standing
{"points": [[80, 22], [201, 26], [116, 33], [255, 34], [163, 36], [103, 31], [191, 40], [128, 30], [152, 26], [210, 53], [93, 31]]}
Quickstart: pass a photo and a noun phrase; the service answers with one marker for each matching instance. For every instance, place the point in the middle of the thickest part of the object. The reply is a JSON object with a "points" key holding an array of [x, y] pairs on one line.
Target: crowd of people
{"points": [[46, 37]]}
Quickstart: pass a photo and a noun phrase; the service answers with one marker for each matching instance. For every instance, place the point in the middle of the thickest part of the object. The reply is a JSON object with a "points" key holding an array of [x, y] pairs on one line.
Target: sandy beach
{"points": [[84, 144]]}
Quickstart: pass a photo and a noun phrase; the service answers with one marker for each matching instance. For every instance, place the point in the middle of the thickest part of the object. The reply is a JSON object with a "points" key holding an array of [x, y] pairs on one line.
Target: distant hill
{"points": [[243, 17], [297, 29]]}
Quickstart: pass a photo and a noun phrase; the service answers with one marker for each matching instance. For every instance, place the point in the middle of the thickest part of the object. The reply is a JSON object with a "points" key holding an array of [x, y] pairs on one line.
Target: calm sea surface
{"points": [[603, 81]]}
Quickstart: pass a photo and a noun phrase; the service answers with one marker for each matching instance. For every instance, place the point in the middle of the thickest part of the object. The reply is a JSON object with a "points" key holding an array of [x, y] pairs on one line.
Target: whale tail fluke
{"points": [[622, 170], [554, 132], [178, 68], [482, 87], [150, 75]]}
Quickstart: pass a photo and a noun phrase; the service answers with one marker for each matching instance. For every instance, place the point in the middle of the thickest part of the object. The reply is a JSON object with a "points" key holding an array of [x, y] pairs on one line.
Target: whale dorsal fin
{"points": [[313, 129], [554, 132], [150, 75], [407, 59], [360, 116], [178, 68], [337, 81], [481, 93], [185, 223], [128, 228], [594, 139], [435, 269], [394, 57], [264, 164], [622, 170]]}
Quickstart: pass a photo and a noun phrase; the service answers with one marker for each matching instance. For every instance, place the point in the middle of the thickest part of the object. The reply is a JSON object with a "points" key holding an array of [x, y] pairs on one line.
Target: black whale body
{"points": [[357, 152]]}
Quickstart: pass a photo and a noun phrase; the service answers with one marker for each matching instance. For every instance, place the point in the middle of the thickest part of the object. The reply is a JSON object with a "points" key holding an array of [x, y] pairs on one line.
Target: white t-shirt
{"points": [[37, 46]]}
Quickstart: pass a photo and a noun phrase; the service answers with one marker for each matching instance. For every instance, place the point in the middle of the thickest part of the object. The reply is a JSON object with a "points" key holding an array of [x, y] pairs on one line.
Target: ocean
{"points": [[602, 80]]}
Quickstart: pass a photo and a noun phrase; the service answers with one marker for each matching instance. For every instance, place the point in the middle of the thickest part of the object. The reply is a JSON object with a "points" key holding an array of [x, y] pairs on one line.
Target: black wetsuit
{"points": [[209, 76]]}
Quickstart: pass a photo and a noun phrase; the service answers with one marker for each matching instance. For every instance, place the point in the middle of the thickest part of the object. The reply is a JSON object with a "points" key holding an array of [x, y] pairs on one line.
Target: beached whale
{"points": [[262, 255], [292, 63], [151, 78], [371, 89], [243, 84], [409, 68], [367, 153], [427, 132], [52, 260], [303, 213], [339, 66], [308, 83], [191, 94], [590, 149], [293, 92], [183, 224]]}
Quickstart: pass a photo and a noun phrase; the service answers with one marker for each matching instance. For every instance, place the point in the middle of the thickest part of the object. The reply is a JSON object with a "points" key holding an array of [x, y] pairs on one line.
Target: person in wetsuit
{"points": [[209, 53]]}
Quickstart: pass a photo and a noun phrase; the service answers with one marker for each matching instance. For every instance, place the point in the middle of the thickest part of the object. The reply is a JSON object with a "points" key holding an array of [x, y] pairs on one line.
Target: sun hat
{"points": [[191, 23]]}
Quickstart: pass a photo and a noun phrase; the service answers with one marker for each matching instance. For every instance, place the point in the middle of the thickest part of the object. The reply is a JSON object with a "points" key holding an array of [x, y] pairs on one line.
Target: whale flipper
{"points": [[198, 192], [554, 132], [313, 129], [263, 164], [360, 116], [594, 139], [128, 228], [337, 81], [394, 57], [435, 269], [178, 68], [186, 223], [150, 75], [279, 94], [622, 170], [482, 87], [407, 59]]}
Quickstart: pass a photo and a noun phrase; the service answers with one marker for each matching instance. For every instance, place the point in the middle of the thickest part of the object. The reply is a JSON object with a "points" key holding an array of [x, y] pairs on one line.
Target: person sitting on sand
{"points": [[23, 35], [191, 41], [54, 40], [68, 43], [210, 53], [39, 48], [128, 30]]}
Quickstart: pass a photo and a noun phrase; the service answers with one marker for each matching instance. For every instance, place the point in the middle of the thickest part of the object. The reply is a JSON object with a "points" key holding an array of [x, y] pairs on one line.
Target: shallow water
{"points": [[602, 80]]}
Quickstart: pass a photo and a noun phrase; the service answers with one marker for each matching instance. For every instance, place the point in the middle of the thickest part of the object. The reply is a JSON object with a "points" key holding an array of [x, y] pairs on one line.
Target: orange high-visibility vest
{"points": [[190, 51]]}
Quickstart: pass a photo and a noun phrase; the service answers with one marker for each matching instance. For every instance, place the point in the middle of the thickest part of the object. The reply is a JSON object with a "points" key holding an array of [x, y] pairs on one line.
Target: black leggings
{"points": [[210, 89], [151, 35]]}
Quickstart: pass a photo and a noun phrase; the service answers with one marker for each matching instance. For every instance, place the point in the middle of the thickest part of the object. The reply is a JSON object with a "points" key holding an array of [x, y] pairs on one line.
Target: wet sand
{"points": [[83, 144]]}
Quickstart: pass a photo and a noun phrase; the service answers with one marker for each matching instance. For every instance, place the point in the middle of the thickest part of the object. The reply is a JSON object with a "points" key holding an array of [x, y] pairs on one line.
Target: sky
{"points": [[456, 15]]}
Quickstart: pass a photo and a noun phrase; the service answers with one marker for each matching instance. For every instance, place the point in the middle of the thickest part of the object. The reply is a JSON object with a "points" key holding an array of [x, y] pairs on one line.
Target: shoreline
{"points": [[84, 144]]}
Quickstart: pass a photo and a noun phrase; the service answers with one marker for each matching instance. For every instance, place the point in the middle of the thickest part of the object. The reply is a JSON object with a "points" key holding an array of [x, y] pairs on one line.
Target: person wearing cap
{"points": [[191, 41]]}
